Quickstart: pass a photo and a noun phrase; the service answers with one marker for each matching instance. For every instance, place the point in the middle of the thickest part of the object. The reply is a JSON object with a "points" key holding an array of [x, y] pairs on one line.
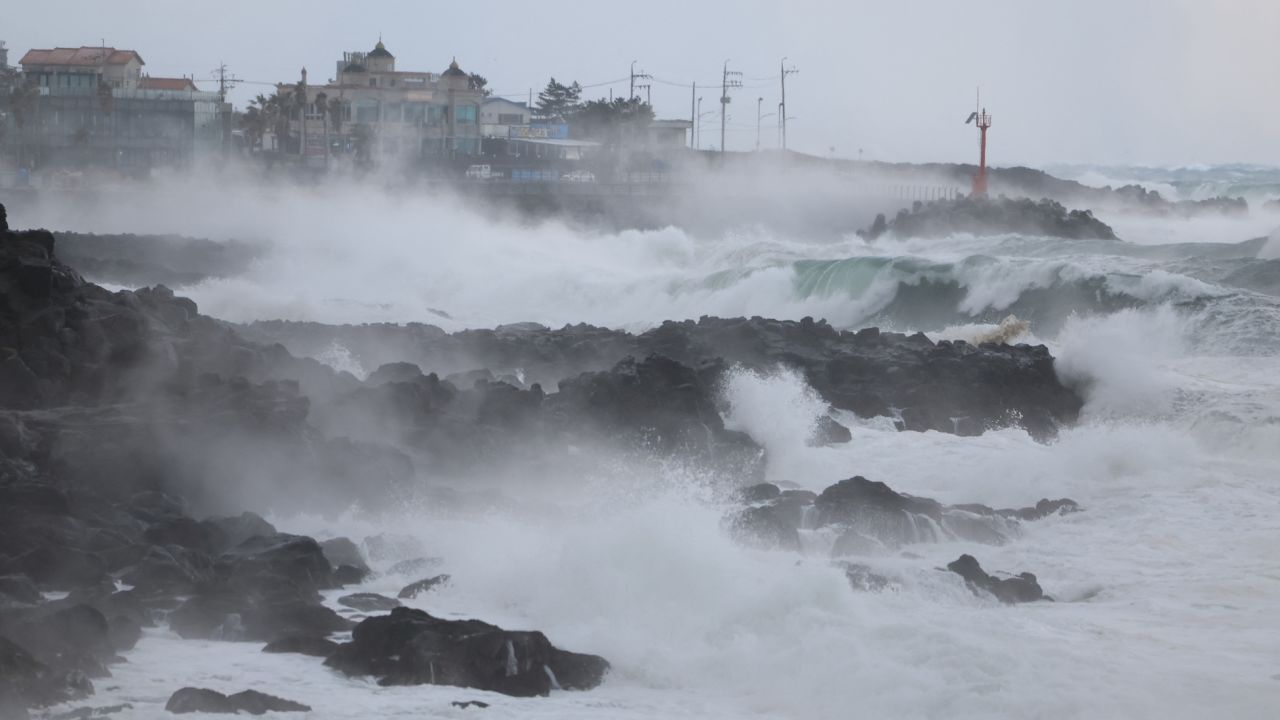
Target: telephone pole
{"points": [[785, 71], [693, 116], [225, 83], [725, 84], [642, 75]]}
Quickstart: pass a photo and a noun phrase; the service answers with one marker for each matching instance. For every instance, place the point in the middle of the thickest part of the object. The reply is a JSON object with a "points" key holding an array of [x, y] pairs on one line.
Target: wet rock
{"points": [[303, 645], [85, 713], [345, 575], [266, 564], [236, 617], [863, 578], [993, 216], [173, 570], [235, 530], [761, 492], [19, 589], [413, 565], [25, 681], [342, 551], [827, 432], [1020, 588], [872, 518], [189, 700], [368, 602], [410, 647], [464, 704], [390, 546], [420, 587]]}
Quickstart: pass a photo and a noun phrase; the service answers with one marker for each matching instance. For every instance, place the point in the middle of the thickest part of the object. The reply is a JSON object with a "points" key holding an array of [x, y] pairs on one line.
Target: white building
{"points": [[499, 115]]}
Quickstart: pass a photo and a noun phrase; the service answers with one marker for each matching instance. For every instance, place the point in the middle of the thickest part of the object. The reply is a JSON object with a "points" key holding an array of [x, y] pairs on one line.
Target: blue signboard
{"points": [[539, 131]]}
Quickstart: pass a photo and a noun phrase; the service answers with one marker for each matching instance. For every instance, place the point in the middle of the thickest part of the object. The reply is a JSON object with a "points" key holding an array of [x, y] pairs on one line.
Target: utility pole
{"points": [[642, 75], [302, 115], [697, 127], [693, 119], [785, 71], [225, 83], [725, 84], [759, 118]]}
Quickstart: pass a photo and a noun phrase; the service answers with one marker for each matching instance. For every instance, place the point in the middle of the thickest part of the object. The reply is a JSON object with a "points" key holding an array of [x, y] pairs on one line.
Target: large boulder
{"points": [[411, 647]]}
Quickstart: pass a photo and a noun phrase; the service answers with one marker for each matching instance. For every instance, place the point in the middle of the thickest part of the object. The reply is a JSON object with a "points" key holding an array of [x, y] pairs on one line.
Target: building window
{"points": [[367, 113], [465, 114], [373, 82], [510, 119], [391, 112], [415, 113], [435, 114]]}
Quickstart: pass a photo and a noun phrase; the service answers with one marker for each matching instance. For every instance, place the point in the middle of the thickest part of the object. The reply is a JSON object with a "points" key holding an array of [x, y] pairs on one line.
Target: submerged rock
{"points": [[411, 647], [368, 602], [869, 517], [413, 590], [1018, 589]]}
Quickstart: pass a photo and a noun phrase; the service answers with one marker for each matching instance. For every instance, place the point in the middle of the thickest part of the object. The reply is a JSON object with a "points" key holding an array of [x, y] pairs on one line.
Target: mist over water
{"points": [[1168, 604]]}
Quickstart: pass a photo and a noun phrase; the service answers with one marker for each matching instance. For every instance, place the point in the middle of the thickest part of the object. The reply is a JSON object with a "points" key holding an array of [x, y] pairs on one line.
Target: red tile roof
{"points": [[80, 57], [147, 82]]}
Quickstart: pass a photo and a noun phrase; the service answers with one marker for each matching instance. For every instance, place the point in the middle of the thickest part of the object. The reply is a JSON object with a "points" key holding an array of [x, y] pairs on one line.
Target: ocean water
{"points": [[1167, 586]]}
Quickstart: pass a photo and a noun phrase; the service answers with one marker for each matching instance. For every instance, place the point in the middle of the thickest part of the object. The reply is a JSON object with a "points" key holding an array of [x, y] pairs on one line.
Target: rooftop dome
{"points": [[454, 70], [380, 51]]}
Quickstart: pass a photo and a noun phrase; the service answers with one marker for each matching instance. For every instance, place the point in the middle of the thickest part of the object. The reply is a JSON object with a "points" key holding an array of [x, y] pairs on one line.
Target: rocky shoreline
{"points": [[142, 442]]}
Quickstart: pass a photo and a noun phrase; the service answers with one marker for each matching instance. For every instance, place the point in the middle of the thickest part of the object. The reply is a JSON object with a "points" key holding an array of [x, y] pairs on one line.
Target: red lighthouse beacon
{"points": [[980, 118]]}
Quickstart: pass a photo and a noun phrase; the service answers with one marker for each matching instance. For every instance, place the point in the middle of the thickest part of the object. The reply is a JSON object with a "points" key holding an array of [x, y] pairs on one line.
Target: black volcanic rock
{"points": [[992, 216], [190, 700], [413, 590], [872, 518], [410, 647], [1017, 589], [368, 602], [342, 551], [263, 564], [828, 432], [946, 386]]}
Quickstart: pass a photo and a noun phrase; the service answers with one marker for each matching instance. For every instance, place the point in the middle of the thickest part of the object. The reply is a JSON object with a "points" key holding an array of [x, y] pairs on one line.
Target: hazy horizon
{"points": [[1134, 82]]}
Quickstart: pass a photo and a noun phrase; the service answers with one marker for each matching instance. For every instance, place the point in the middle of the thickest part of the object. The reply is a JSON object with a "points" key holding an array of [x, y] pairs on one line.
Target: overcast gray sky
{"points": [[1154, 82]]}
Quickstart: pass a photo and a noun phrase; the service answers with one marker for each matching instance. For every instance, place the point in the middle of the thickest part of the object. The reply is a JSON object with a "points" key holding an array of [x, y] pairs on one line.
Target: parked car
{"points": [[479, 172], [579, 176]]}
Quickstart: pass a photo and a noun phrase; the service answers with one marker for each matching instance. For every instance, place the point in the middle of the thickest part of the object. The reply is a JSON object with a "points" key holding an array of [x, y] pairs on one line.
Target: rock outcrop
{"points": [[1017, 589], [411, 647], [201, 700], [991, 216], [862, 517]]}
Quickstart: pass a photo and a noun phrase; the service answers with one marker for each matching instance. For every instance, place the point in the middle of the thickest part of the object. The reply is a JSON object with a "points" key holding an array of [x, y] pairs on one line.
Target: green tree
{"points": [[557, 101], [611, 122], [479, 82]]}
